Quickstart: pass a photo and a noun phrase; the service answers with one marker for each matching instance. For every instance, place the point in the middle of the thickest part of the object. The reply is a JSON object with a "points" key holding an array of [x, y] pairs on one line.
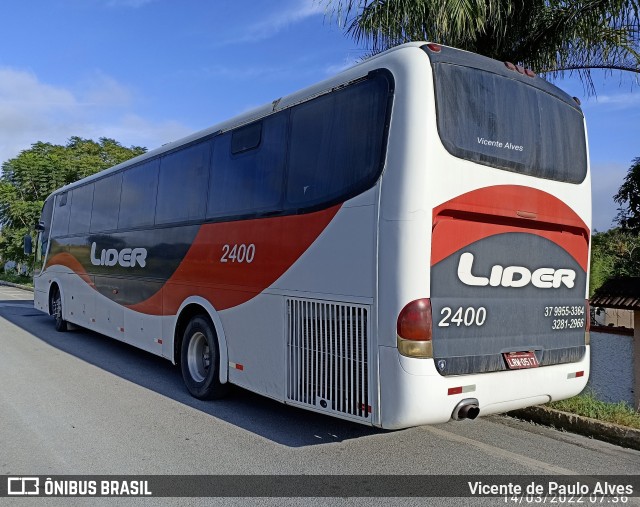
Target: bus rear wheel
{"points": [[200, 360], [56, 311]]}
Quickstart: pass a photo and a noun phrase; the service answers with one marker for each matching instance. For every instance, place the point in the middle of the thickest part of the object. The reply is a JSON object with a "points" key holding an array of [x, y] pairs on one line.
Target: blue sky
{"points": [[146, 72]]}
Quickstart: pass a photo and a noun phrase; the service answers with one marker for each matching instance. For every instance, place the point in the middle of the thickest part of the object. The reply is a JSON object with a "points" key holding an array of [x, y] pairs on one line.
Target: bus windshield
{"points": [[505, 123]]}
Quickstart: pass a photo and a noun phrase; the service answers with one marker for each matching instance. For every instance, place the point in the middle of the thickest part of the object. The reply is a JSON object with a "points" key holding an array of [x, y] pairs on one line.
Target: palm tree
{"points": [[548, 36], [628, 197]]}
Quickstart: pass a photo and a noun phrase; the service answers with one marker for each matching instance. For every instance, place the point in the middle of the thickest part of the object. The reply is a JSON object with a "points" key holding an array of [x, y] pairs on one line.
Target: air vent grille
{"points": [[328, 353]]}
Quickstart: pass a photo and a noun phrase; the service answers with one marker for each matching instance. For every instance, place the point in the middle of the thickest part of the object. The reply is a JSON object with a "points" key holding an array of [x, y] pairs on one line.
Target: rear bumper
{"points": [[413, 393]]}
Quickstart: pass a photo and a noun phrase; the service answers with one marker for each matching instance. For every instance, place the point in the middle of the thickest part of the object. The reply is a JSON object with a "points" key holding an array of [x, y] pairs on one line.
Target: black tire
{"points": [[56, 311], [200, 360]]}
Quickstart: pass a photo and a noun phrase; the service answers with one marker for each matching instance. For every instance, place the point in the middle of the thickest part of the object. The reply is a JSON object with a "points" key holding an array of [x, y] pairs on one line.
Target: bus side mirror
{"points": [[28, 245], [40, 226]]}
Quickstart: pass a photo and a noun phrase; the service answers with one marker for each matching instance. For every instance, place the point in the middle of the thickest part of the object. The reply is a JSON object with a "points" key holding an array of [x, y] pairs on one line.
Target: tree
{"points": [[29, 178], [548, 36], [614, 253], [628, 197]]}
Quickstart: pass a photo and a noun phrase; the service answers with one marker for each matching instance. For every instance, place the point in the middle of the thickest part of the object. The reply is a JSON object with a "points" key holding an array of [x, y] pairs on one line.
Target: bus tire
{"points": [[200, 360], [56, 311]]}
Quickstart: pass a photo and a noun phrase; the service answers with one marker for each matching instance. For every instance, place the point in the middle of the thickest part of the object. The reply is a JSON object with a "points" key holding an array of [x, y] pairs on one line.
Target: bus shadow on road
{"points": [[283, 424]]}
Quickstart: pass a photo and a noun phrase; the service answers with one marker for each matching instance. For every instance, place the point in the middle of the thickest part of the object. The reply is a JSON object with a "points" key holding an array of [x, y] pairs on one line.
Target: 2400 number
{"points": [[469, 316], [238, 253]]}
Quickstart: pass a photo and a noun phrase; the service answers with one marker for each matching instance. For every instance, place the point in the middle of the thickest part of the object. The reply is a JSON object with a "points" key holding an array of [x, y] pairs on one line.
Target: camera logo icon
{"points": [[21, 486]]}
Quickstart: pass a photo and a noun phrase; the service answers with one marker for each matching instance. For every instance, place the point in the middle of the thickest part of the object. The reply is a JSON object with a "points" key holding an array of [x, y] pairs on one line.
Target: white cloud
{"points": [[22, 90], [32, 111], [101, 89], [346, 63], [286, 16], [606, 179], [615, 101]]}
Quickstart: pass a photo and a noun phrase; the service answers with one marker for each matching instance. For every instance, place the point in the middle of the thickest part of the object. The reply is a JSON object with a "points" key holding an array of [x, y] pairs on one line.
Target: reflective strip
{"points": [[236, 366], [461, 389]]}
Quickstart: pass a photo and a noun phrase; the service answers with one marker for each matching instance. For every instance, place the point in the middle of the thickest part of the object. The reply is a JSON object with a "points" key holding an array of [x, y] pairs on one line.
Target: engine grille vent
{"points": [[328, 354]]}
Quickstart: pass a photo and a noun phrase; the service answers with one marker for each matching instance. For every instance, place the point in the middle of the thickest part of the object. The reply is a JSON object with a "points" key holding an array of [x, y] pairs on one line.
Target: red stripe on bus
{"points": [[469, 219], [264, 250], [67, 260]]}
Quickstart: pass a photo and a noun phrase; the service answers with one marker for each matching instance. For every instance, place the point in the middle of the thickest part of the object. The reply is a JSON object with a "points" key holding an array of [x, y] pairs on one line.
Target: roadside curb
{"points": [[608, 432], [16, 285]]}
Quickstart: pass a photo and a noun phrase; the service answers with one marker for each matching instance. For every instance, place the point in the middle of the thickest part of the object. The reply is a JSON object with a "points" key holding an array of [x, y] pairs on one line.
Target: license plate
{"points": [[520, 360]]}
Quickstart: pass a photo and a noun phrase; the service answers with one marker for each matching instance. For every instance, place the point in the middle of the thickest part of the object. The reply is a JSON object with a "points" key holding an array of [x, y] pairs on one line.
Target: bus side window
{"points": [[337, 143], [183, 184], [60, 226], [246, 138], [106, 203], [138, 201], [249, 181], [81, 204]]}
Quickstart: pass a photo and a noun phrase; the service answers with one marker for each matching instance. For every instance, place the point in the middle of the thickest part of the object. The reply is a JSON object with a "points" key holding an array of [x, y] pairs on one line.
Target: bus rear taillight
{"points": [[414, 329]]}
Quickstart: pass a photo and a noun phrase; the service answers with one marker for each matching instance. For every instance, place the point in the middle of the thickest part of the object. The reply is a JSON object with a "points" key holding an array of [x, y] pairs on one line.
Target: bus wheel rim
{"points": [[198, 357]]}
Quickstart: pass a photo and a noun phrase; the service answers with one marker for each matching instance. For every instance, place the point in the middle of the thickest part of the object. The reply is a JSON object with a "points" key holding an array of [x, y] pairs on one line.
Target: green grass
{"points": [[13, 277], [587, 405]]}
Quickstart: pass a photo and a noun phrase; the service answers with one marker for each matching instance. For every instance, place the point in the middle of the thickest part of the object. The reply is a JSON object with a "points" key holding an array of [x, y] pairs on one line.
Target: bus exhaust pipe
{"points": [[466, 409]]}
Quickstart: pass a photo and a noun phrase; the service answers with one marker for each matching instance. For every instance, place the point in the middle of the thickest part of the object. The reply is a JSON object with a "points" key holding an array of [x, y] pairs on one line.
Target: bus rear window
{"points": [[507, 124]]}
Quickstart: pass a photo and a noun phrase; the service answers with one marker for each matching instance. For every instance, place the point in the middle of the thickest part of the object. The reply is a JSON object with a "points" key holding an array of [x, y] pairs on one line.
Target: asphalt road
{"points": [[80, 403]]}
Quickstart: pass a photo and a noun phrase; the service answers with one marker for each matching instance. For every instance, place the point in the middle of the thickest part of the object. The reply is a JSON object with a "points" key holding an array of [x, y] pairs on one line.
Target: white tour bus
{"points": [[404, 243]]}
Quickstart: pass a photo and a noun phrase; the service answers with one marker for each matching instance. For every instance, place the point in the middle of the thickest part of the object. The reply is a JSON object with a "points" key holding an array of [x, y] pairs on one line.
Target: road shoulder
{"points": [[16, 285], [607, 432]]}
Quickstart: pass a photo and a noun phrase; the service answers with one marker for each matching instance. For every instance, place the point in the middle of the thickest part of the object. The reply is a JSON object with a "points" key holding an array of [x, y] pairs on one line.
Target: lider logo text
{"points": [[127, 257]]}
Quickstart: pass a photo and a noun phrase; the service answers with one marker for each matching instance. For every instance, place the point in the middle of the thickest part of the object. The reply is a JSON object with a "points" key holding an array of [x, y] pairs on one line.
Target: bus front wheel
{"points": [[56, 310], [200, 360]]}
